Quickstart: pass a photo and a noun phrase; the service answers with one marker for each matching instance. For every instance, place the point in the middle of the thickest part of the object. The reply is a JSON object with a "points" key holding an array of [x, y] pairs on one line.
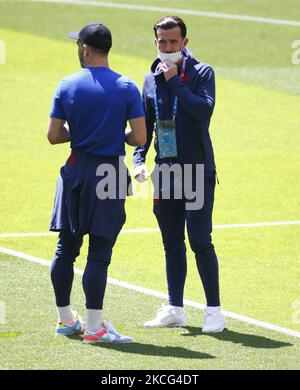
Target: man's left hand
{"points": [[169, 68]]}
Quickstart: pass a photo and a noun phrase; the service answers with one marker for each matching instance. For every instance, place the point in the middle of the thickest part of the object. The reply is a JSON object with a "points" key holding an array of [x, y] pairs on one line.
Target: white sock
{"points": [[65, 314], [213, 309], [93, 320]]}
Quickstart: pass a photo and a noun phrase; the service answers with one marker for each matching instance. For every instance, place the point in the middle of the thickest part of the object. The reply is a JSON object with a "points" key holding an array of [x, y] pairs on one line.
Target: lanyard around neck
{"points": [[175, 105]]}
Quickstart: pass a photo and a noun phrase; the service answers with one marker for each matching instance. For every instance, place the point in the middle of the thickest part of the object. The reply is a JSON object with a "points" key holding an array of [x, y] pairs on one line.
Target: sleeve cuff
{"points": [[57, 116]]}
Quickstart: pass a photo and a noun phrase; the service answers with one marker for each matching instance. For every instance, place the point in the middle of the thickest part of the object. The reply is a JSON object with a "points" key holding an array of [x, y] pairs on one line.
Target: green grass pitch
{"points": [[255, 131]]}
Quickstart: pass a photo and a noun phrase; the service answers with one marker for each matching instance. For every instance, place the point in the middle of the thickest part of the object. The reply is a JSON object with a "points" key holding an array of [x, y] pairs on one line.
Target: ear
{"points": [[185, 42], [155, 42], [86, 50]]}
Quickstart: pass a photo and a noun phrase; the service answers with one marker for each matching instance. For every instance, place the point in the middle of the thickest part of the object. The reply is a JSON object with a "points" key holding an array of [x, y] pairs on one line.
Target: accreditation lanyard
{"points": [[175, 105]]}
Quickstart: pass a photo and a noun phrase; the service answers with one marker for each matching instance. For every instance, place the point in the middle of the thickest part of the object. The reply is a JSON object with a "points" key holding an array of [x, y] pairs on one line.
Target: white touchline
{"points": [[138, 7], [147, 291], [155, 230]]}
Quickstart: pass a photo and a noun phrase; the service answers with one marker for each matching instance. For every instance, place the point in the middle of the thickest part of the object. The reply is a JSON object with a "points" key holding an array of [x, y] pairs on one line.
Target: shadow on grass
{"points": [[74, 337], [155, 350], [247, 340]]}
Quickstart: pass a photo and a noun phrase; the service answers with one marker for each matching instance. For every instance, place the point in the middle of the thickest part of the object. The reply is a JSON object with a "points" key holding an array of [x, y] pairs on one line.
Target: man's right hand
{"points": [[141, 173]]}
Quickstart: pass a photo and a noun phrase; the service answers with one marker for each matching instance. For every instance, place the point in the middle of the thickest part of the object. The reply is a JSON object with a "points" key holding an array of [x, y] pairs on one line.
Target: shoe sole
{"points": [[214, 331], [68, 335], [106, 342], [79, 333]]}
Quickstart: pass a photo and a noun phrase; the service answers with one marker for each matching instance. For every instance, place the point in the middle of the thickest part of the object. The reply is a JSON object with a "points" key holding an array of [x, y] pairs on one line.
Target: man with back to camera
{"points": [[179, 98], [96, 103]]}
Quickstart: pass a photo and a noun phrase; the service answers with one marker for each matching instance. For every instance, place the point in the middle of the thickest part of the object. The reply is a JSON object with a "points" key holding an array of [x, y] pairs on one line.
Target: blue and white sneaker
{"points": [[107, 334], [76, 327]]}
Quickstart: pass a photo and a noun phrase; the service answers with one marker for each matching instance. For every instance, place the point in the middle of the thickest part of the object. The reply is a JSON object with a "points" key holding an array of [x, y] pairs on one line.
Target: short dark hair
{"points": [[168, 22], [96, 35]]}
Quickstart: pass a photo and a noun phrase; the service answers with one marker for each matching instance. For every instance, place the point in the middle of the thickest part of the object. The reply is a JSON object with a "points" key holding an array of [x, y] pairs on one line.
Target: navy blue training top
{"points": [[196, 101], [96, 103]]}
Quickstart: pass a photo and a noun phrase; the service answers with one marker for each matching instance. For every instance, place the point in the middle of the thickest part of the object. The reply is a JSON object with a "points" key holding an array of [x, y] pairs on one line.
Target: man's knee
{"points": [[100, 250], [68, 247], [174, 245], [200, 243]]}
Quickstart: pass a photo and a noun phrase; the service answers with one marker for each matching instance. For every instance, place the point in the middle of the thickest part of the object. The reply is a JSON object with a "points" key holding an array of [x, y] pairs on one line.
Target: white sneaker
{"points": [[168, 316], [214, 320]]}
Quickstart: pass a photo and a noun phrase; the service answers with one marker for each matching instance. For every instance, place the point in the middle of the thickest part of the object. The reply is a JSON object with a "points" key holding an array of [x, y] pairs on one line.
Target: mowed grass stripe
{"points": [[151, 230], [158, 294], [28, 340], [168, 10]]}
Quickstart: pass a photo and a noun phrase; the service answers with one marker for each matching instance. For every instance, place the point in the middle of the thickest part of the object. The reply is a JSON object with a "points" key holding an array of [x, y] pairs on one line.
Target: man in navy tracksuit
{"points": [[179, 99]]}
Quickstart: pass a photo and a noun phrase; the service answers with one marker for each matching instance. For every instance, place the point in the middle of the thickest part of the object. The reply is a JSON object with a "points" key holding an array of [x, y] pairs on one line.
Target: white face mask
{"points": [[173, 57]]}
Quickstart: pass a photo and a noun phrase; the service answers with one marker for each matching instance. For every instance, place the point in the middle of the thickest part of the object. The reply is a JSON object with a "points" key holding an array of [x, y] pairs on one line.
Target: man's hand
{"points": [[169, 68], [141, 173]]}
